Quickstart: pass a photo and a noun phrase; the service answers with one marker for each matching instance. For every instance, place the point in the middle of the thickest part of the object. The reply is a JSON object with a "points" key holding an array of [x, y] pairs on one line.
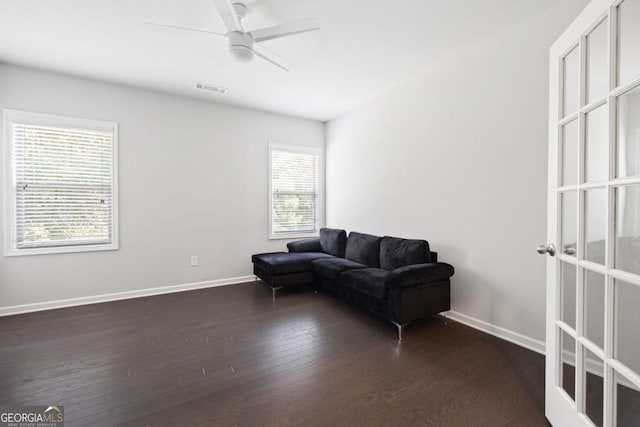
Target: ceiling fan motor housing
{"points": [[240, 46]]}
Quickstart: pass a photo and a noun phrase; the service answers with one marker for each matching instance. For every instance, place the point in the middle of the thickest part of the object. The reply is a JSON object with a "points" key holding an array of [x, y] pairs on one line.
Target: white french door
{"points": [[593, 281]]}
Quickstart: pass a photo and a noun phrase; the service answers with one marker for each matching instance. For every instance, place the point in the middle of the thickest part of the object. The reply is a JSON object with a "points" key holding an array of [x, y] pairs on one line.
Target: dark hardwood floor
{"points": [[229, 356]]}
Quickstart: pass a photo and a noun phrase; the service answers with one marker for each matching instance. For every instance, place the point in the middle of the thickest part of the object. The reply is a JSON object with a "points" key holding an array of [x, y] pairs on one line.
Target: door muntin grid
{"points": [[602, 235]]}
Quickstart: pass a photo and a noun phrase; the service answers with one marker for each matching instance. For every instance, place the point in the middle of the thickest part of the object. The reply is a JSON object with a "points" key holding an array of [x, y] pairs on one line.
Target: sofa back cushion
{"points": [[363, 248], [333, 241], [396, 253]]}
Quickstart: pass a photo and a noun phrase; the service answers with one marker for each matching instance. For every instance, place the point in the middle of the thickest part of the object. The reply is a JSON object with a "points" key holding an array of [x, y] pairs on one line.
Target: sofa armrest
{"points": [[306, 245], [418, 274]]}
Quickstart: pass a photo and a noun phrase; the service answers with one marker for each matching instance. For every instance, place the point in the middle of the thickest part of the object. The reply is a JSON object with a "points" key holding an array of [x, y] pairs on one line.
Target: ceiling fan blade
{"points": [[228, 15], [164, 28], [272, 57], [286, 29]]}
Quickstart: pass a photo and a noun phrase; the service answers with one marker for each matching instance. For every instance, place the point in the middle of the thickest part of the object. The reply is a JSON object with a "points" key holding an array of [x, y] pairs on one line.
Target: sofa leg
{"points": [[273, 291], [400, 329]]}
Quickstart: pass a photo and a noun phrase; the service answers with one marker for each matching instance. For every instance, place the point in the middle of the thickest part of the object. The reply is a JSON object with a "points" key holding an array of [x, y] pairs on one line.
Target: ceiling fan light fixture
{"points": [[240, 46], [241, 53]]}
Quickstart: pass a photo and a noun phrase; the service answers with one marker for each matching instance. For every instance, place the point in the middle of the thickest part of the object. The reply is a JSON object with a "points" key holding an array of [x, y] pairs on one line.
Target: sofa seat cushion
{"points": [[287, 262], [330, 267], [368, 281], [396, 253], [364, 249]]}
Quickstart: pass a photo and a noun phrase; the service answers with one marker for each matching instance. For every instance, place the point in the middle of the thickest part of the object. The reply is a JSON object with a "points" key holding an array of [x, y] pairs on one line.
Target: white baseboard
{"points": [[50, 305], [498, 331]]}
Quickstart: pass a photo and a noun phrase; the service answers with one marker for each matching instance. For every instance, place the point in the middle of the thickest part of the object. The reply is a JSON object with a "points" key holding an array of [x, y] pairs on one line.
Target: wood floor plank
{"points": [[232, 356]]}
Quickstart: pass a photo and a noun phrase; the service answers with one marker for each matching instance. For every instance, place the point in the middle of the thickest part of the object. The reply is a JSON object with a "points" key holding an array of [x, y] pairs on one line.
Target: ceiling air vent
{"points": [[211, 88]]}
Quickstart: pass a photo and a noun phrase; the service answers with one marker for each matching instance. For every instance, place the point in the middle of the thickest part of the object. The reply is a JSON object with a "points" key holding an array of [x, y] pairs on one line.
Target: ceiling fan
{"points": [[243, 45]]}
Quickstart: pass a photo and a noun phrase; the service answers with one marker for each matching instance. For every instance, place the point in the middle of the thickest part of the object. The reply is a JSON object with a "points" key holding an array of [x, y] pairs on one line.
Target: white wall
{"points": [[459, 157], [193, 181]]}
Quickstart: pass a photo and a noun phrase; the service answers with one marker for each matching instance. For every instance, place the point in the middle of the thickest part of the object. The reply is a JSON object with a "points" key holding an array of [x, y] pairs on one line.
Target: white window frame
{"points": [[8, 185], [274, 146]]}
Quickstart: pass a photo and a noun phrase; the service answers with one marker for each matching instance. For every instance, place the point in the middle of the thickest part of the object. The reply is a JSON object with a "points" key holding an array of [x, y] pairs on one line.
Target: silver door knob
{"points": [[547, 249]]}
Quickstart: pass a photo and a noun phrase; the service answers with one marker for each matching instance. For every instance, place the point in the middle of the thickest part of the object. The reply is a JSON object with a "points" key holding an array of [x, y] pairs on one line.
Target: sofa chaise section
{"points": [[282, 269]]}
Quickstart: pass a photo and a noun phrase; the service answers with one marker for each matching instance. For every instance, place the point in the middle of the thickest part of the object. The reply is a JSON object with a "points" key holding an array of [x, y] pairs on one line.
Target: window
{"points": [[60, 184], [295, 194]]}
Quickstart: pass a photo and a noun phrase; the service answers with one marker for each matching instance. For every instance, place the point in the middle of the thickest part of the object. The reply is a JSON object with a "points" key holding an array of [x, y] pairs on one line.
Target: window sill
{"points": [[293, 236], [11, 252]]}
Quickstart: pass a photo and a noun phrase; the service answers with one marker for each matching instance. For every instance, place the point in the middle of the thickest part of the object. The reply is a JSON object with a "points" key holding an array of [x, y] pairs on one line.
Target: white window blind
{"points": [[63, 183], [294, 191]]}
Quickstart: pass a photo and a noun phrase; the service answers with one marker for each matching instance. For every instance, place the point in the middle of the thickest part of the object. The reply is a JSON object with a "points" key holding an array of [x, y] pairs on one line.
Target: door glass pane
{"points": [[570, 153], [628, 162], [595, 224], [594, 307], [571, 66], [629, 44], [594, 382], [627, 250], [569, 206], [628, 402], [568, 363], [598, 63], [627, 321], [597, 140], [568, 294]]}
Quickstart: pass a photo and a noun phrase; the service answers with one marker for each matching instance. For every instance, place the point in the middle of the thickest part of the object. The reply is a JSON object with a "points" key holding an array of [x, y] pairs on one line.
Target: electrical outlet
{"points": [[194, 260]]}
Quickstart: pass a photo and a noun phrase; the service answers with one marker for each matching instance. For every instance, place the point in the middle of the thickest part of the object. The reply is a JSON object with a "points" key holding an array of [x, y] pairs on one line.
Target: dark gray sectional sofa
{"points": [[398, 279]]}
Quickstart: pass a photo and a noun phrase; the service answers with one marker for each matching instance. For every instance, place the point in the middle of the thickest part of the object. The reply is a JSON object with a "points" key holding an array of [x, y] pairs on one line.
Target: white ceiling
{"points": [[363, 49]]}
